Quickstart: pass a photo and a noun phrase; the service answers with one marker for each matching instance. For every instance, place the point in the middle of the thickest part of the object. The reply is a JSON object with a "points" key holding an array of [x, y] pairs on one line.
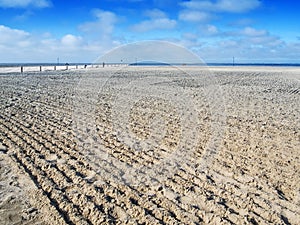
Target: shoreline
{"points": [[48, 68]]}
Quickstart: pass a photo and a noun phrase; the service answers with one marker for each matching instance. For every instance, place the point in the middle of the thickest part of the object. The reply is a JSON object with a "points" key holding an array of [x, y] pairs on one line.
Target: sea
{"points": [[40, 64], [150, 64]]}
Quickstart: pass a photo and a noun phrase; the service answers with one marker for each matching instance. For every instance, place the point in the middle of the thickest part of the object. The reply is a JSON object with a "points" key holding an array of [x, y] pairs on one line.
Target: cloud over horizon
{"points": [[25, 3], [157, 20], [233, 6], [215, 30]]}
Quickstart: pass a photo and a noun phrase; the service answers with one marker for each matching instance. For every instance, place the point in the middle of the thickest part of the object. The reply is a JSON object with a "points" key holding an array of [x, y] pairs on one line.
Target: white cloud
{"points": [[161, 23], [159, 51], [103, 26], [158, 20], [265, 48], [99, 35], [209, 30], [21, 46], [155, 13], [249, 31], [25, 3], [247, 44], [237, 6], [242, 22], [12, 37], [24, 16], [189, 36], [267, 40], [255, 38], [194, 16], [189, 41], [202, 11], [234, 6], [70, 40]]}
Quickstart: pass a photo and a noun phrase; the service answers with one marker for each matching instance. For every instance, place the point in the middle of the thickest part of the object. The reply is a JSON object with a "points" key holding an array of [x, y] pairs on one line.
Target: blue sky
{"points": [[215, 30]]}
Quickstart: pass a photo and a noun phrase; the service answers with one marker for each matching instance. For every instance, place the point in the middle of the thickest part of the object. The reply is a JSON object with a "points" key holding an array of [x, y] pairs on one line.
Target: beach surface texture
{"points": [[150, 145]]}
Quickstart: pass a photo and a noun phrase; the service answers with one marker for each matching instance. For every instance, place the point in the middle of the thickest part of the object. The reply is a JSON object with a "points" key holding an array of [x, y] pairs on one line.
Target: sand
{"points": [[150, 145]]}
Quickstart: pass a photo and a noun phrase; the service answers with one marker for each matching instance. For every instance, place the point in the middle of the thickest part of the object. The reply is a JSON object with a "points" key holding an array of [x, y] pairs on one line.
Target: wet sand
{"points": [[150, 145]]}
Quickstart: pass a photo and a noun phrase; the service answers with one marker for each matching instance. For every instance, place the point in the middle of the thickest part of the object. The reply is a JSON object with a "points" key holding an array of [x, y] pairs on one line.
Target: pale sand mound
{"points": [[67, 155]]}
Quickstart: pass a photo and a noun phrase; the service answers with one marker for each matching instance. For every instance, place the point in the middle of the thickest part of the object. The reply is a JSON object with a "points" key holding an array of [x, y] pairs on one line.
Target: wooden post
{"points": [[21, 69], [40, 68], [54, 67]]}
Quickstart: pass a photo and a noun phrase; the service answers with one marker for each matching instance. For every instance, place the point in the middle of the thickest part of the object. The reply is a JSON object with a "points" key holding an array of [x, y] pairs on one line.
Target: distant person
{"points": [[85, 66], [103, 64]]}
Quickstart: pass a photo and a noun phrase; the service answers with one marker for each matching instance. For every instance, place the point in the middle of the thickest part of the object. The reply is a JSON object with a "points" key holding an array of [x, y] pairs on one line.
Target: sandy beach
{"points": [[150, 145]]}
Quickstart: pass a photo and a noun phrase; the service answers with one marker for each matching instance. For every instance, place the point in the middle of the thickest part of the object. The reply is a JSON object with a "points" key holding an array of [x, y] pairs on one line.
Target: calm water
{"points": [[154, 64], [39, 64]]}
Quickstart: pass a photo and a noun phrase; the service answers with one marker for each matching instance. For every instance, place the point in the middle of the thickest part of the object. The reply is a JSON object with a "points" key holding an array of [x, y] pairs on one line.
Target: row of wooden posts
{"points": [[67, 67], [76, 66]]}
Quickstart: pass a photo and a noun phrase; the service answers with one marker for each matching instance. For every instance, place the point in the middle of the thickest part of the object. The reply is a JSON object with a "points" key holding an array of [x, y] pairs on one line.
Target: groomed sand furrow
{"points": [[140, 197], [246, 81], [111, 141], [43, 140], [52, 118], [208, 188], [252, 178], [116, 148], [53, 149], [42, 182], [37, 111], [159, 204], [36, 116], [154, 205], [61, 179], [44, 172], [252, 181]]}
